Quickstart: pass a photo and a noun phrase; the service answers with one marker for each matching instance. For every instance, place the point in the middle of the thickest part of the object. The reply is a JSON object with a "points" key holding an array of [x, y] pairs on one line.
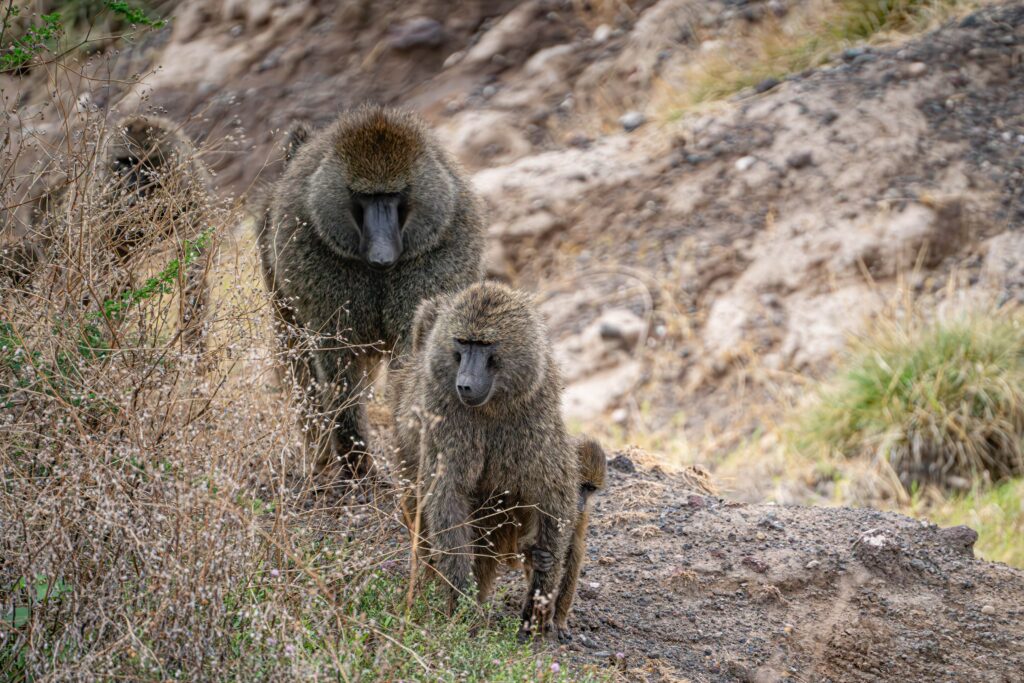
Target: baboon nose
{"points": [[465, 390]]}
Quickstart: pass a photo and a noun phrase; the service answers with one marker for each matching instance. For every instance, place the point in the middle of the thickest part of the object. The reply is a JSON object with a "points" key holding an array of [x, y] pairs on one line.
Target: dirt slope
{"points": [[689, 586]]}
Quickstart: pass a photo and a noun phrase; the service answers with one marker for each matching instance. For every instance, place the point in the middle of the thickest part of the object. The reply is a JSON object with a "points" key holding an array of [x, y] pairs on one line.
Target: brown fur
{"points": [[343, 316], [484, 470]]}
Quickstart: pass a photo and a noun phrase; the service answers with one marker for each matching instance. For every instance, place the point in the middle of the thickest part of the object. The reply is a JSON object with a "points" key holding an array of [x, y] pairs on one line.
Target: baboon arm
{"points": [[538, 604], [447, 507]]}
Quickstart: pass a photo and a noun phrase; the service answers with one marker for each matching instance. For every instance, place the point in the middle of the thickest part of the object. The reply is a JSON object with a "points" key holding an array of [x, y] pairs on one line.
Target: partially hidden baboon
{"points": [[481, 436], [593, 470], [148, 188], [369, 217]]}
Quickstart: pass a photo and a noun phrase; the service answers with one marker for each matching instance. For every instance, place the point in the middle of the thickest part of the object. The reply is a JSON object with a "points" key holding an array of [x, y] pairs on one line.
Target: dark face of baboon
{"points": [[593, 470], [486, 346], [382, 194]]}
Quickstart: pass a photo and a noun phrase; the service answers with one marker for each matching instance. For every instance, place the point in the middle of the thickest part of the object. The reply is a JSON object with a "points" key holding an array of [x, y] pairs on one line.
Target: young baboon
{"points": [[370, 217], [480, 431], [148, 188], [593, 469]]}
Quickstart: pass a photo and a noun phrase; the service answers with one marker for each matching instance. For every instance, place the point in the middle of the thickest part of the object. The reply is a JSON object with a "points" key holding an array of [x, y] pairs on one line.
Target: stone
{"points": [[414, 33], [632, 120]]}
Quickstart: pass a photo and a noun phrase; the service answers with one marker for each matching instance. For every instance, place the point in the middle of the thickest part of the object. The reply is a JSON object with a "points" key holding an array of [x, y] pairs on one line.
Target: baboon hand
{"points": [[543, 560]]}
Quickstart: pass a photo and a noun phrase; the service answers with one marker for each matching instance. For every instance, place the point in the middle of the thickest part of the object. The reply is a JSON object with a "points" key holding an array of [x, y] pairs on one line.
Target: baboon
{"points": [[593, 469], [148, 188], [369, 217], [480, 432]]}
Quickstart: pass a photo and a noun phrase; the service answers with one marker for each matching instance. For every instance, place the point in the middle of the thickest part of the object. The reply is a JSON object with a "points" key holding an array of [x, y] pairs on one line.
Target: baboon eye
{"points": [[492, 362], [458, 357], [589, 488], [403, 210], [356, 207]]}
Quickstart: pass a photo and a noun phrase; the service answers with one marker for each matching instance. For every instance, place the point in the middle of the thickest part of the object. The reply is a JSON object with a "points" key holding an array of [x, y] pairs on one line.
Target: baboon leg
{"points": [[570, 577], [341, 381], [485, 570], [537, 607], [447, 512]]}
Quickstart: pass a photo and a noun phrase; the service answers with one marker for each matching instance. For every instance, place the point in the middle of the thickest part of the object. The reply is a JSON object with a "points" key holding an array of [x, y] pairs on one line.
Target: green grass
{"points": [[811, 38], [997, 514], [382, 637], [941, 402]]}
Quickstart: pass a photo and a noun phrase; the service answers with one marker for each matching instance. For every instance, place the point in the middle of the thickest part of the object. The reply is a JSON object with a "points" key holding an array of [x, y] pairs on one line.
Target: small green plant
{"points": [[814, 37], [162, 283], [133, 15], [36, 39], [940, 401]]}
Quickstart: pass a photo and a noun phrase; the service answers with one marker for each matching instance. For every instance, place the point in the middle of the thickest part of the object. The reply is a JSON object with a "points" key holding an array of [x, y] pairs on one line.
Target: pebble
{"points": [[766, 85], [800, 160], [916, 69], [813, 564], [988, 610], [622, 463], [632, 120], [602, 33], [416, 32], [744, 163]]}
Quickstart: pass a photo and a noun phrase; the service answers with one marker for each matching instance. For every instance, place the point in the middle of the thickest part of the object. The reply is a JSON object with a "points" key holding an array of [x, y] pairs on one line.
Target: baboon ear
{"points": [[423, 322], [297, 135]]}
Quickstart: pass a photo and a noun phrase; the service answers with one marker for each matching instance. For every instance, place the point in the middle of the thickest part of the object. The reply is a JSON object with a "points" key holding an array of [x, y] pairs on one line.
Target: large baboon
{"points": [[370, 217], [480, 433]]}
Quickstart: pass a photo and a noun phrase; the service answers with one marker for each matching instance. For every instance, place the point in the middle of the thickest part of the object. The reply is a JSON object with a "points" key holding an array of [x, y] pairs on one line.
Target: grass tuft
{"points": [[941, 402]]}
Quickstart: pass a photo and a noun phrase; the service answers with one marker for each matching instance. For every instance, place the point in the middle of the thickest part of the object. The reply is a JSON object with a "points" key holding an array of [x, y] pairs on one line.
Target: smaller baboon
{"points": [[148, 188], [593, 470], [510, 544], [480, 431], [369, 217]]}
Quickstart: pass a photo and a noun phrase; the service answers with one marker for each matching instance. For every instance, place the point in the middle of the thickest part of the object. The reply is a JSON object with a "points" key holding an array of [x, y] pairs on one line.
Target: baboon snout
{"points": [[475, 378], [380, 218]]}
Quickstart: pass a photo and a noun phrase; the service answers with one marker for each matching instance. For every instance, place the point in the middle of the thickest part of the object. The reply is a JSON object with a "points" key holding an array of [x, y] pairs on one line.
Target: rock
{"points": [[622, 327], [535, 225], [766, 85], [453, 59], [622, 463], [590, 397], [813, 564], [800, 160], [484, 137], [496, 262], [744, 163], [632, 120], [988, 610], [961, 538], [414, 33], [504, 35], [915, 70]]}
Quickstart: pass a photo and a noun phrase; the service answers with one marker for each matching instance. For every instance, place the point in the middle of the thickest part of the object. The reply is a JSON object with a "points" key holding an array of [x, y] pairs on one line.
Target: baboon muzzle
{"points": [[380, 218], [475, 378]]}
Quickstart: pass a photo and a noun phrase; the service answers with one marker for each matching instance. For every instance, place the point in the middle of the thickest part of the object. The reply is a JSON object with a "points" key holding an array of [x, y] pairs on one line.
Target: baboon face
{"points": [[593, 470], [382, 193], [486, 346]]}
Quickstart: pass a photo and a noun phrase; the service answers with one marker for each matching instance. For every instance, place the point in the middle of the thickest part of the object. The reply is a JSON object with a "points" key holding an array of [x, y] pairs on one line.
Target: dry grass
{"points": [[810, 35]]}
